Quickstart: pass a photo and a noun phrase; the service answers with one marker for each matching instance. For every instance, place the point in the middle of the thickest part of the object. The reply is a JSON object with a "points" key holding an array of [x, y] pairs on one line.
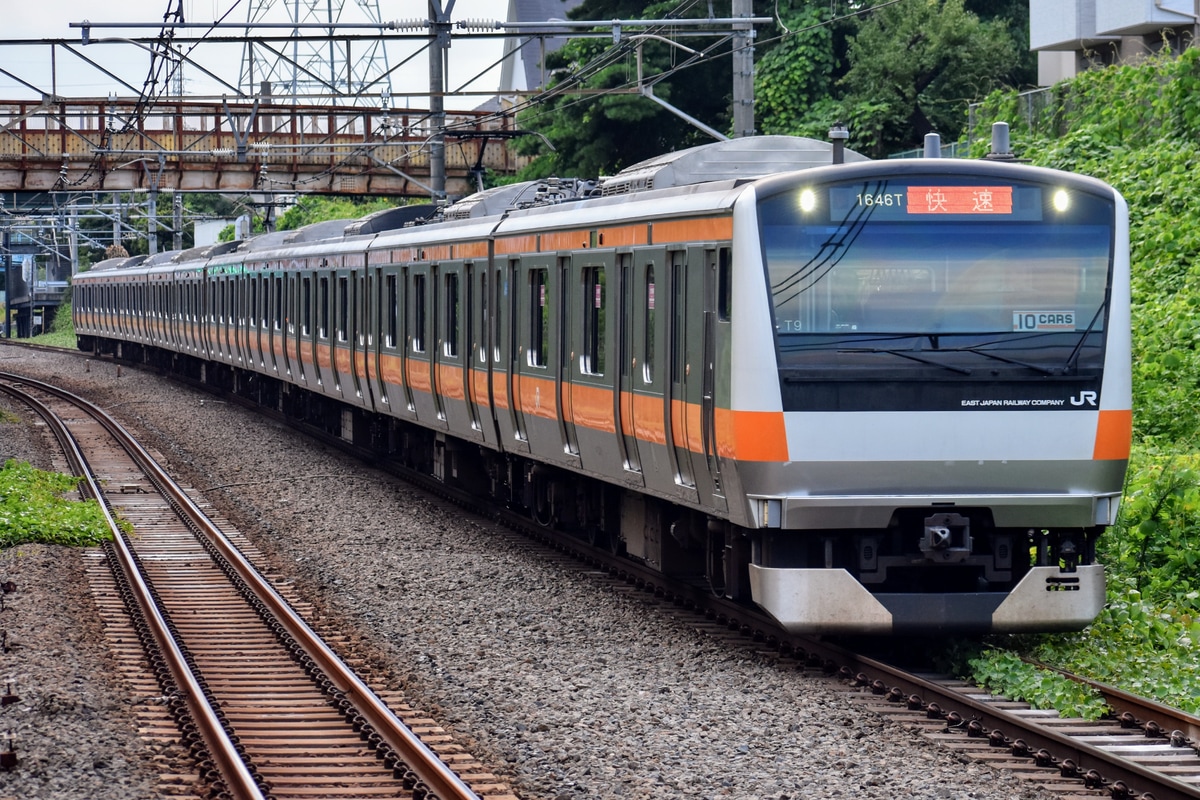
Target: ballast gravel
{"points": [[64, 717], [563, 686]]}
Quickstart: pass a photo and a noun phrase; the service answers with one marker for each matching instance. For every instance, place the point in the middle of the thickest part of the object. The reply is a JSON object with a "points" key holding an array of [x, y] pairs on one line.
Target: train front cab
{"points": [[939, 472]]}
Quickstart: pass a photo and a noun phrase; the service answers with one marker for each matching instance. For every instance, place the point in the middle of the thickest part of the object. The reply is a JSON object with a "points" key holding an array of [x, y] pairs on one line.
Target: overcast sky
{"points": [[30, 67]]}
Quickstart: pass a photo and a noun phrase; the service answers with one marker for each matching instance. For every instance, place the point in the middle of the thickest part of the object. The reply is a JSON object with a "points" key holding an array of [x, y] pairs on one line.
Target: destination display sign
{"points": [[927, 201]]}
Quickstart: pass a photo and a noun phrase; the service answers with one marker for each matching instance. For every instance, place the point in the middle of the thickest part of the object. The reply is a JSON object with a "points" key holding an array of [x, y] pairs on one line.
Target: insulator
{"points": [[409, 24], [479, 24]]}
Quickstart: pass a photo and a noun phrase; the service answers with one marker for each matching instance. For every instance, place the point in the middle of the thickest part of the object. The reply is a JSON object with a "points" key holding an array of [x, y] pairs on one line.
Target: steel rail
{"points": [[1142, 709], [1072, 756], [228, 762], [1112, 769], [428, 767]]}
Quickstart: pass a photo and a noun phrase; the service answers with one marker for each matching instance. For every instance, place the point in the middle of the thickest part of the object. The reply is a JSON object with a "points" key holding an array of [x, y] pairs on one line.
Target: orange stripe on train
{"points": [[693, 230], [592, 407], [451, 384], [751, 435], [1114, 432]]}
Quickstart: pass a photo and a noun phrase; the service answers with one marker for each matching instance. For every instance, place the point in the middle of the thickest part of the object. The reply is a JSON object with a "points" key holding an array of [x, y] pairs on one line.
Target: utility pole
{"points": [[439, 43], [743, 71]]}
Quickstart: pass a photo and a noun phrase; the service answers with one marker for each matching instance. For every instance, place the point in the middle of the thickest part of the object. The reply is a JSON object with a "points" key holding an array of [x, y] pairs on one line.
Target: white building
{"points": [[1071, 35]]}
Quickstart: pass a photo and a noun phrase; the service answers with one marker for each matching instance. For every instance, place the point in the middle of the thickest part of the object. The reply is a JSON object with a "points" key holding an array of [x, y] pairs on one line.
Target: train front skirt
{"points": [[811, 601]]}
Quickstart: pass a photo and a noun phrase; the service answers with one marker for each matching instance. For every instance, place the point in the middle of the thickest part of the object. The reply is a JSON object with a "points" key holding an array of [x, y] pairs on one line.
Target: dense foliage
{"points": [[33, 509], [891, 72], [1136, 127]]}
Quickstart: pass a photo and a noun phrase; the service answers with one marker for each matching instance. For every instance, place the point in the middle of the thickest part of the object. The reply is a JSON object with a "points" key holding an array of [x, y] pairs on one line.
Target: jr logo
{"points": [[1084, 399]]}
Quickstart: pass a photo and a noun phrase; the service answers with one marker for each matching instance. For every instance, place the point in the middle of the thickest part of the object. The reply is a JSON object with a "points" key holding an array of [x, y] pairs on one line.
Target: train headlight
{"points": [[808, 200], [1061, 200]]}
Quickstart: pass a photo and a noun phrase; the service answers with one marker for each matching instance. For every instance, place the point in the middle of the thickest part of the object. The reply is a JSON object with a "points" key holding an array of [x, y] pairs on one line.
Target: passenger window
{"points": [[450, 348], [306, 306], [323, 308], [392, 309], [539, 348], [484, 315], [418, 334], [648, 357], [343, 307], [593, 321], [724, 284]]}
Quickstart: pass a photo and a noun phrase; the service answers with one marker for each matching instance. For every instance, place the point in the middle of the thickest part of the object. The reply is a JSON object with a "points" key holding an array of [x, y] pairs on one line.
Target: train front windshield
{"points": [[933, 275]]}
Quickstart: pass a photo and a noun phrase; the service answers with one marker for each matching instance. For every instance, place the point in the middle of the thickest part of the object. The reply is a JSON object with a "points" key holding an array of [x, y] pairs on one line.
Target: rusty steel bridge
{"points": [[112, 145]]}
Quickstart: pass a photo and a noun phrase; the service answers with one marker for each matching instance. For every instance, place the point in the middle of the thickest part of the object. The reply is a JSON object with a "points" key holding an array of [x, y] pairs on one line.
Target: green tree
{"points": [[314, 208], [597, 121], [793, 80], [914, 68]]}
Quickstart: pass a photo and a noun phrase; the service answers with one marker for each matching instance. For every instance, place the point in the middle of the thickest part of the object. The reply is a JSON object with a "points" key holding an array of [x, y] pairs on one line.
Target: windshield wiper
{"points": [[911, 357], [1005, 359], [1074, 357]]}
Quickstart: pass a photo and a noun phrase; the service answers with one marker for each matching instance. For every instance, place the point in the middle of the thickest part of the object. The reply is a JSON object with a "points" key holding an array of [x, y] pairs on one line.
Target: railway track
{"points": [[1145, 751], [265, 706]]}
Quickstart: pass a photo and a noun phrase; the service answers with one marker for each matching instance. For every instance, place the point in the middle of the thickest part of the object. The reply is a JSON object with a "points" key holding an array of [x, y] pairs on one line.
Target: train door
{"points": [[718, 276], [406, 343], [243, 320], [352, 335], [681, 412], [229, 329], [204, 313], [383, 295], [592, 364], [326, 339], [299, 323], [451, 364], [696, 361], [475, 361], [513, 349], [221, 288], [647, 346], [536, 382], [262, 335], [566, 335], [365, 329], [419, 332], [279, 354], [623, 415], [442, 346]]}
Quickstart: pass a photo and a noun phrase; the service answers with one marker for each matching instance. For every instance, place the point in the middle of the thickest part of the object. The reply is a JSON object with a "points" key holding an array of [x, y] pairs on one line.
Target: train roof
{"points": [[718, 166], [390, 219], [732, 159]]}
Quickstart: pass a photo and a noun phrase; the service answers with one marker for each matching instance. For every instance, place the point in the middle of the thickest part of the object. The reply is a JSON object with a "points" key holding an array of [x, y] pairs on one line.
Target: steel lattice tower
{"points": [[309, 69]]}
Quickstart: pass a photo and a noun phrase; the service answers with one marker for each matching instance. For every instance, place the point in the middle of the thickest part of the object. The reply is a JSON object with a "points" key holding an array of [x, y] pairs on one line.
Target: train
{"points": [[875, 397]]}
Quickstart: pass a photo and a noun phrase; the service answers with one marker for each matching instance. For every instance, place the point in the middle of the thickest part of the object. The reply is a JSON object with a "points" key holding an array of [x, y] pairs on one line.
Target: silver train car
{"points": [[872, 397]]}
